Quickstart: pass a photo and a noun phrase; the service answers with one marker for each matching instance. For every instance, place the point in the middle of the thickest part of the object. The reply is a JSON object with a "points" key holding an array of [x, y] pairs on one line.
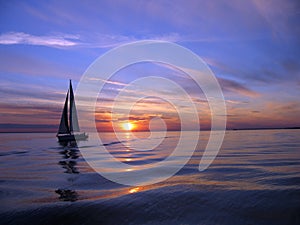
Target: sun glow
{"points": [[134, 190], [128, 126]]}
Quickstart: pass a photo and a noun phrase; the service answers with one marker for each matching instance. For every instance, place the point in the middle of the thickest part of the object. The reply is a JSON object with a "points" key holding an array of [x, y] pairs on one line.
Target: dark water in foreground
{"points": [[255, 179]]}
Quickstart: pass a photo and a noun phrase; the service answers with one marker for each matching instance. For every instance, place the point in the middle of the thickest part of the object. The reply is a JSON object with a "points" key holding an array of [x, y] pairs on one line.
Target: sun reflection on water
{"points": [[134, 190]]}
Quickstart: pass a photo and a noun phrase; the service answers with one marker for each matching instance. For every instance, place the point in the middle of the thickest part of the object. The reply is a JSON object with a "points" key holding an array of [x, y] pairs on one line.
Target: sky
{"points": [[252, 47]]}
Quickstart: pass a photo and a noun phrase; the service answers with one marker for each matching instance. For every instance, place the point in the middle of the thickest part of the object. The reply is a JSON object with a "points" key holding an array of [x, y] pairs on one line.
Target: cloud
{"points": [[291, 65], [233, 86], [12, 127], [33, 93], [26, 63], [30, 114], [12, 38], [234, 102], [227, 85], [84, 40], [106, 40], [107, 81], [52, 109], [281, 16]]}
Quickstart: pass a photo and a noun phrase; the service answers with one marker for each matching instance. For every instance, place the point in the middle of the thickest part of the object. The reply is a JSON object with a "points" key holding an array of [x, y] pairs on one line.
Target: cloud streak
{"points": [[98, 40], [233, 86], [12, 38]]}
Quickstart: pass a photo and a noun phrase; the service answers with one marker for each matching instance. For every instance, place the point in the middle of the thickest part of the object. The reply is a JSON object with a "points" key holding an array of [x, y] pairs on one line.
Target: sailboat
{"points": [[69, 129]]}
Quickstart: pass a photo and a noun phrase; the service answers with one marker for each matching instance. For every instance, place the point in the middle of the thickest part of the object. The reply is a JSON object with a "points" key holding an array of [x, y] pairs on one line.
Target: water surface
{"points": [[255, 179]]}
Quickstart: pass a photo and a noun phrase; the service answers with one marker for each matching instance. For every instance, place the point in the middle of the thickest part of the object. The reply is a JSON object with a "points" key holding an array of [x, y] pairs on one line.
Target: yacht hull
{"points": [[72, 137]]}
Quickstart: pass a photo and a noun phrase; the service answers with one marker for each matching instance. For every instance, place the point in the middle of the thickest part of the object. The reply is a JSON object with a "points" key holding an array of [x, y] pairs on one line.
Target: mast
{"points": [[73, 112], [64, 127]]}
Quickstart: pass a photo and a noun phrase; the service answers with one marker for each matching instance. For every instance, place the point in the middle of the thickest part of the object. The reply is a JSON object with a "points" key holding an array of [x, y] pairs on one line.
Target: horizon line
{"points": [[230, 129]]}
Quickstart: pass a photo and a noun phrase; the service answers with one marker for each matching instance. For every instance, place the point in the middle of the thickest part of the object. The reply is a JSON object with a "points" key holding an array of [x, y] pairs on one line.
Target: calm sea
{"points": [[255, 179]]}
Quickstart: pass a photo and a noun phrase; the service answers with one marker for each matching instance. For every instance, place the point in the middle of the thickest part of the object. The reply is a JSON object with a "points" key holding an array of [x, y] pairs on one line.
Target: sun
{"points": [[128, 126]]}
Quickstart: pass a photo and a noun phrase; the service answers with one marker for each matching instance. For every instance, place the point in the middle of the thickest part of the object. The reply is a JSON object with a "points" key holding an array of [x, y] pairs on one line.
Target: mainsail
{"points": [[68, 127], [64, 127], [73, 112]]}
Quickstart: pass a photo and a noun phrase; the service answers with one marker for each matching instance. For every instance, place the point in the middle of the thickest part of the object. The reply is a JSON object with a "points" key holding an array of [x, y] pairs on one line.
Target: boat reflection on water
{"points": [[67, 195], [70, 154]]}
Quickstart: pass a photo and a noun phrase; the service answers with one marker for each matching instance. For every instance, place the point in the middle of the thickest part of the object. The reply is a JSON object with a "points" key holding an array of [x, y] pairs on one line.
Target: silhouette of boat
{"points": [[69, 128]]}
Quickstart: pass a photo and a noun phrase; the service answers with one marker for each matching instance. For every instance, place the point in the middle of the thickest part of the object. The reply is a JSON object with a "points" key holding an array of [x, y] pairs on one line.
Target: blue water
{"points": [[255, 179]]}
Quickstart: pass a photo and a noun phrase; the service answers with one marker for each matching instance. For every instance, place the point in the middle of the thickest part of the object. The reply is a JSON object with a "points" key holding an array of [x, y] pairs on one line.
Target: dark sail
{"points": [[64, 127], [74, 127], [68, 128]]}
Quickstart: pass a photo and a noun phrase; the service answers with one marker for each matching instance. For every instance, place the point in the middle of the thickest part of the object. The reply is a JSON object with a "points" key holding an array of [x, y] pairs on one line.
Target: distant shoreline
{"points": [[232, 129], [276, 128]]}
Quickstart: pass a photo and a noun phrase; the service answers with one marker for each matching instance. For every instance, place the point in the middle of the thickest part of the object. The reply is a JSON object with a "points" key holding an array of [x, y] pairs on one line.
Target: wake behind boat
{"points": [[69, 128]]}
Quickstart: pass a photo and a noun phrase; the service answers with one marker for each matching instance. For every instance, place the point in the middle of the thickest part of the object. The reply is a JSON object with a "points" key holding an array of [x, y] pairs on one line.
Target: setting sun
{"points": [[128, 126]]}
